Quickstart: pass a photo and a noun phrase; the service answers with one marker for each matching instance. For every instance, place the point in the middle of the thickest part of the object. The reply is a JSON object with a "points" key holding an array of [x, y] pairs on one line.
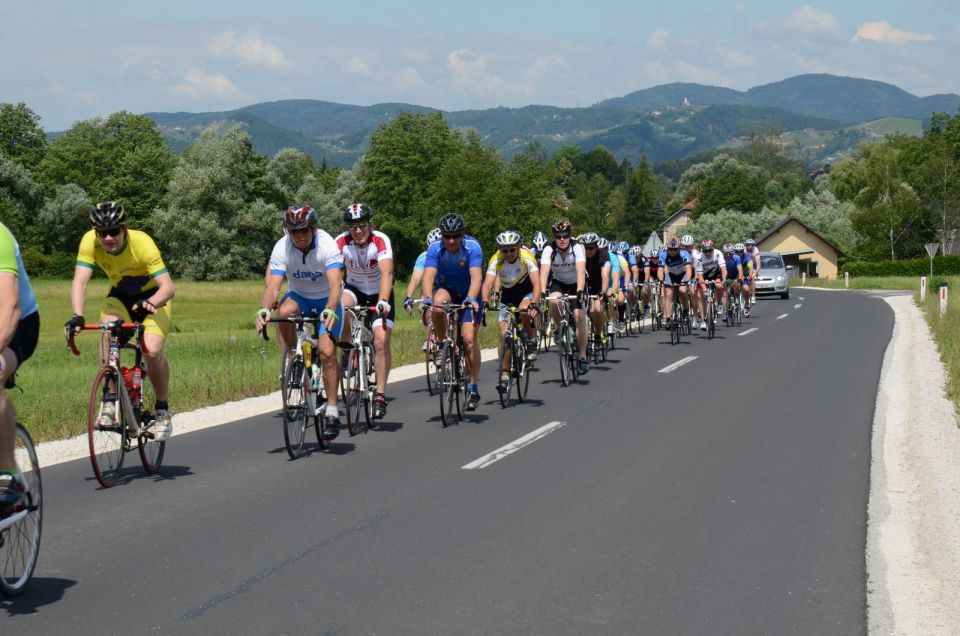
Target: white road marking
{"points": [[677, 365], [751, 330], [782, 316], [513, 446], [798, 306], [802, 298]]}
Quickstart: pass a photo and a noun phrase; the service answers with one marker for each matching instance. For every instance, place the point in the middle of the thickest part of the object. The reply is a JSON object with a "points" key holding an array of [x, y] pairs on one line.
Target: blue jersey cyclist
{"points": [[676, 268], [453, 273], [735, 271], [417, 276], [312, 264]]}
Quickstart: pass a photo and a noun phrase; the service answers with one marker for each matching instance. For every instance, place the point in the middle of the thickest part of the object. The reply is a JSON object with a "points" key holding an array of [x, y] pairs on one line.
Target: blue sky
{"points": [[72, 60]]}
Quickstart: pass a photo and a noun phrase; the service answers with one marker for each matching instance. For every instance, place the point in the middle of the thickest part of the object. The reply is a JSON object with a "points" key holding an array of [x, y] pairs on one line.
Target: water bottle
{"points": [[136, 382]]}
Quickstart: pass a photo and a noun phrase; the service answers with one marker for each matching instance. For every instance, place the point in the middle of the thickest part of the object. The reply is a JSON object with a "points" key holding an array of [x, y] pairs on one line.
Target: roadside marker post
{"points": [[846, 280], [923, 289], [803, 279], [943, 299]]}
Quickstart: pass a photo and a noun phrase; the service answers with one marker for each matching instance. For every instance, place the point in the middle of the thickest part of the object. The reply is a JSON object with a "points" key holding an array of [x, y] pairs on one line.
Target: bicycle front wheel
{"points": [[106, 432], [357, 413], [151, 450], [448, 385], [506, 355], [294, 407], [20, 541], [523, 373]]}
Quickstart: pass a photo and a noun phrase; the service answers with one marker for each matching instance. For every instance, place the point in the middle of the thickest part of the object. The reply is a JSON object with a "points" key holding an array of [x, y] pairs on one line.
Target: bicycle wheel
{"points": [[20, 541], [461, 384], [430, 359], [448, 387], [151, 450], [358, 415], [563, 349], [522, 368], [506, 358], [106, 436], [711, 321], [294, 408]]}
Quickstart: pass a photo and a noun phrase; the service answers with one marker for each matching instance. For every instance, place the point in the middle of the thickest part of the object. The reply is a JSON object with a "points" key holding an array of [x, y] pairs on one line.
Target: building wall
{"points": [[793, 237], [673, 227]]}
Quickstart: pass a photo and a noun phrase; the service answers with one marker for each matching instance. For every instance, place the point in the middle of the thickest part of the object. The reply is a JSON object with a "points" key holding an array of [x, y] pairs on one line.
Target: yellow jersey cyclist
{"points": [[19, 329], [516, 268], [140, 290]]}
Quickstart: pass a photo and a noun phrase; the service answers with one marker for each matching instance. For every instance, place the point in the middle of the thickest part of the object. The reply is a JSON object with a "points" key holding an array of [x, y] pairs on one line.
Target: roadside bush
{"points": [[40, 265], [942, 266]]}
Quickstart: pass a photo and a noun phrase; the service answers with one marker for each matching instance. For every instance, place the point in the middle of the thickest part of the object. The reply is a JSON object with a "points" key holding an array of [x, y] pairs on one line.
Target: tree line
{"points": [[215, 209]]}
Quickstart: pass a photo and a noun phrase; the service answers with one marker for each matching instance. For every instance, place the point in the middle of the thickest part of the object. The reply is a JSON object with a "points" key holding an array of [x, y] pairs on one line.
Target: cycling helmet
{"points": [[687, 240], [707, 244], [108, 214], [590, 238], [624, 247], [739, 247], [673, 243], [727, 248], [750, 242], [540, 241], [509, 238], [299, 217], [452, 223], [563, 225], [357, 213], [637, 251], [603, 243], [434, 235]]}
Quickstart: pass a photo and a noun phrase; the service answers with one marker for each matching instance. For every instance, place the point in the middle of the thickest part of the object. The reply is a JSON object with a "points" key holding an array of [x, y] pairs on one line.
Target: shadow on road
{"points": [[41, 591]]}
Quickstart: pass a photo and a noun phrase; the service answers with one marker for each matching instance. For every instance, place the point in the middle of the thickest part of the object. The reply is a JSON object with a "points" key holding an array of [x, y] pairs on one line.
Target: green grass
{"points": [[892, 125], [946, 332], [215, 354], [869, 282]]}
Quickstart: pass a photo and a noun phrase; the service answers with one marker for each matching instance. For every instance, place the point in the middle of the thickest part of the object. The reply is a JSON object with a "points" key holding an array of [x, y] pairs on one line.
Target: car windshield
{"points": [[770, 261]]}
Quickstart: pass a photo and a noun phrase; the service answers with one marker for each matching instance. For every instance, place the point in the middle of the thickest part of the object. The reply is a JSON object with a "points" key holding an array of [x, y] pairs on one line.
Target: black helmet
{"points": [[299, 217], [357, 212], [452, 223], [108, 214]]}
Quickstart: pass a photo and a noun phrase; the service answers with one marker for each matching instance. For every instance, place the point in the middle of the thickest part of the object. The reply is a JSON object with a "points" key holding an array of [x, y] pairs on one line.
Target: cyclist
{"points": [[313, 266], [710, 267], [19, 330], [454, 274], [676, 268], [751, 251], [603, 269], [687, 243], [746, 283], [140, 290], [519, 278], [415, 278], [368, 281], [628, 266], [563, 272], [734, 272], [651, 265]]}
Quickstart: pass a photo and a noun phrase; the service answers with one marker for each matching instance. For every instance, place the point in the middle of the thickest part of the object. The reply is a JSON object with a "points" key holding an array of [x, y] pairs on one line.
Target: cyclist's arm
{"points": [[616, 281], [78, 290], [581, 276], [476, 279], [488, 281], [429, 275], [535, 281], [386, 279], [335, 278], [272, 291], [415, 279], [545, 275], [164, 291], [604, 279], [723, 271], [9, 307]]}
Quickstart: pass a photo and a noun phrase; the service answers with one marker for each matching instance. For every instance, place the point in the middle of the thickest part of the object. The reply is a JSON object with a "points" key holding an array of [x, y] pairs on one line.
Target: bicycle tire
{"points": [[447, 386], [357, 413], [20, 541], [563, 354], [107, 442], [523, 376], [506, 348], [151, 450], [321, 428], [462, 378], [430, 358], [294, 407]]}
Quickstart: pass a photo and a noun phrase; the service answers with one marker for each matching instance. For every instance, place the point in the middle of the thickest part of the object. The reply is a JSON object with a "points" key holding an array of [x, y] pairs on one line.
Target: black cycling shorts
{"points": [[568, 289], [371, 300], [24, 341]]}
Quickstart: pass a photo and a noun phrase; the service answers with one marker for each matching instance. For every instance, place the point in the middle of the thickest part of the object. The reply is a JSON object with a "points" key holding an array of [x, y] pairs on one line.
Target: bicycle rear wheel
{"points": [[20, 541], [448, 386], [523, 373], [506, 358], [358, 416], [294, 408], [430, 359], [106, 437]]}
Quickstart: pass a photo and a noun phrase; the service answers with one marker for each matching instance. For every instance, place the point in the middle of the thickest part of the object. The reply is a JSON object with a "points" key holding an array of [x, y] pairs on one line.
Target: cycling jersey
{"points": [[595, 267], [754, 257], [733, 263], [515, 273], [653, 263], [306, 273], [563, 265], [709, 264], [362, 264], [624, 271], [11, 261], [675, 266], [133, 269], [453, 268], [421, 262]]}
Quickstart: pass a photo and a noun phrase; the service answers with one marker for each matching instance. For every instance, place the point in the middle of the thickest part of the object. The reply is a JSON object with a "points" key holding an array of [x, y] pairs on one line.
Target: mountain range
{"points": [[825, 115]]}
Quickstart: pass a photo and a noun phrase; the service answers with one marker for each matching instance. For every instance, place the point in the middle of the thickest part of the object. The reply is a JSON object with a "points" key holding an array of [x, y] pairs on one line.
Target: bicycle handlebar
{"points": [[71, 334]]}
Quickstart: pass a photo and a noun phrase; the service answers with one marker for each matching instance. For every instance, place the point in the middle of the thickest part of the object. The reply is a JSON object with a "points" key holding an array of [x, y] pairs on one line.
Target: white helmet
{"points": [[686, 241], [434, 235], [602, 243], [637, 251], [739, 247], [508, 238]]}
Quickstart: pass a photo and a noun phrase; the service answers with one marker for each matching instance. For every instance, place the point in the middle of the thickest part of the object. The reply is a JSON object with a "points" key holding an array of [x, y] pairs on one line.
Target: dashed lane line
{"points": [[677, 365], [782, 316], [513, 447], [750, 330]]}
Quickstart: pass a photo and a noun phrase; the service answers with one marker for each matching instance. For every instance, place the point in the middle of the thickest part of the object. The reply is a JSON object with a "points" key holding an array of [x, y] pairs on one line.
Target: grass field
{"points": [[215, 354], [892, 125]]}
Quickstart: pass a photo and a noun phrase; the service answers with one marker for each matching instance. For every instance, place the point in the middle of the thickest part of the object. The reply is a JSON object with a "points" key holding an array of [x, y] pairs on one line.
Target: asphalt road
{"points": [[728, 496]]}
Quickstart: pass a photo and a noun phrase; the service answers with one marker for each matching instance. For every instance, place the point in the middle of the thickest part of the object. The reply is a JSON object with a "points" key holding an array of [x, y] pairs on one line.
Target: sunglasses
{"points": [[300, 230], [110, 231], [452, 237], [359, 226], [508, 250], [561, 236]]}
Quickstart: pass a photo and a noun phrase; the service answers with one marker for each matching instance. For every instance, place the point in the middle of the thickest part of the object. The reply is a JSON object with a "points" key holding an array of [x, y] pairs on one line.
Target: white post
{"points": [[943, 299], [846, 280], [803, 279], [923, 289]]}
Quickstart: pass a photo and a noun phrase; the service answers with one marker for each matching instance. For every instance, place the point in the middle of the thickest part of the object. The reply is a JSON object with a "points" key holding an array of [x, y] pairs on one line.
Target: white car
{"points": [[774, 276]]}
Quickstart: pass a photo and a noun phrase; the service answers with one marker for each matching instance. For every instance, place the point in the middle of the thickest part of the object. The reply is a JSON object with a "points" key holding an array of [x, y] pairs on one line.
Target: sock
{"points": [[332, 410], [161, 404], [473, 388]]}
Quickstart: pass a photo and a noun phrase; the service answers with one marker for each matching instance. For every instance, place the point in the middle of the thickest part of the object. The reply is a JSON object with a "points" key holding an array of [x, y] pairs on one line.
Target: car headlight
{"points": [[781, 278]]}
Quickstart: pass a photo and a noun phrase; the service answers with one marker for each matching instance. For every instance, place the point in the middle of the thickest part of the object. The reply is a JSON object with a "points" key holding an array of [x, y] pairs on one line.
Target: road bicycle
{"points": [[634, 312], [358, 380], [567, 348], [116, 419], [22, 523], [680, 317], [597, 343], [656, 311], [301, 387], [452, 369], [710, 310], [431, 353], [513, 356]]}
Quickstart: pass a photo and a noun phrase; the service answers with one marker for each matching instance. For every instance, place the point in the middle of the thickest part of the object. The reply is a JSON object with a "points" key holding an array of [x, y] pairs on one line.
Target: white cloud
{"points": [[887, 34], [469, 71], [248, 49], [408, 78], [200, 84], [357, 67], [731, 58], [684, 70], [810, 21], [658, 40], [740, 7]]}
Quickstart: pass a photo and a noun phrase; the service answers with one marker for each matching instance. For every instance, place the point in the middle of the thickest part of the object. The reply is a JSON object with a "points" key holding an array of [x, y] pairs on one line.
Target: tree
{"points": [[329, 202], [69, 212], [528, 192], [122, 158], [285, 174], [20, 196], [598, 161], [830, 217], [21, 138], [732, 226], [590, 206], [633, 213]]}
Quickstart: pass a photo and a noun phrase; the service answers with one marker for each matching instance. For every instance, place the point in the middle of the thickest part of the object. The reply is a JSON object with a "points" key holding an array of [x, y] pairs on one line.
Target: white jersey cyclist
{"points": [[362, 264], [306, 273], [563, 265], [711, 262]]}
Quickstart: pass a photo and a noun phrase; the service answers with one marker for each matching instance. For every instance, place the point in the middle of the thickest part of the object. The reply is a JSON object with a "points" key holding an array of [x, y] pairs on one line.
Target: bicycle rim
{"points": [[447, 386], [20, 541], [461, 382], [504, 369], [523, 374], [294, 408], [106, 439], [355, 409]]}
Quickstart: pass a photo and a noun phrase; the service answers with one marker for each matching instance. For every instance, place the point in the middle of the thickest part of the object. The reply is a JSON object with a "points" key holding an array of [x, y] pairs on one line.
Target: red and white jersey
{"points": [[363, 263]]}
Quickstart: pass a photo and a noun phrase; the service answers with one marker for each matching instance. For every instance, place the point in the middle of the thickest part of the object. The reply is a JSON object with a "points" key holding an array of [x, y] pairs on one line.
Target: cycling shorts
{"points": [[670, 278], [567, 289], [120, 303], [309, 305], [510, 300], [24, 342], [457, 298], [370, 300]]}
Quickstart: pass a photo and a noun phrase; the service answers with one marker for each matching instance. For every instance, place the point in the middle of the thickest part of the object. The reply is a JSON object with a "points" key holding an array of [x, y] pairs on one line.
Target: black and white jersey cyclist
{"points": [[563, 271]]}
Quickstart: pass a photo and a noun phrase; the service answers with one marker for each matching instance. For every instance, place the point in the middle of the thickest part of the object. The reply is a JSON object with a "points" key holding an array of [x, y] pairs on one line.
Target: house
{"points": [[677, 220], [802, 247]]}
